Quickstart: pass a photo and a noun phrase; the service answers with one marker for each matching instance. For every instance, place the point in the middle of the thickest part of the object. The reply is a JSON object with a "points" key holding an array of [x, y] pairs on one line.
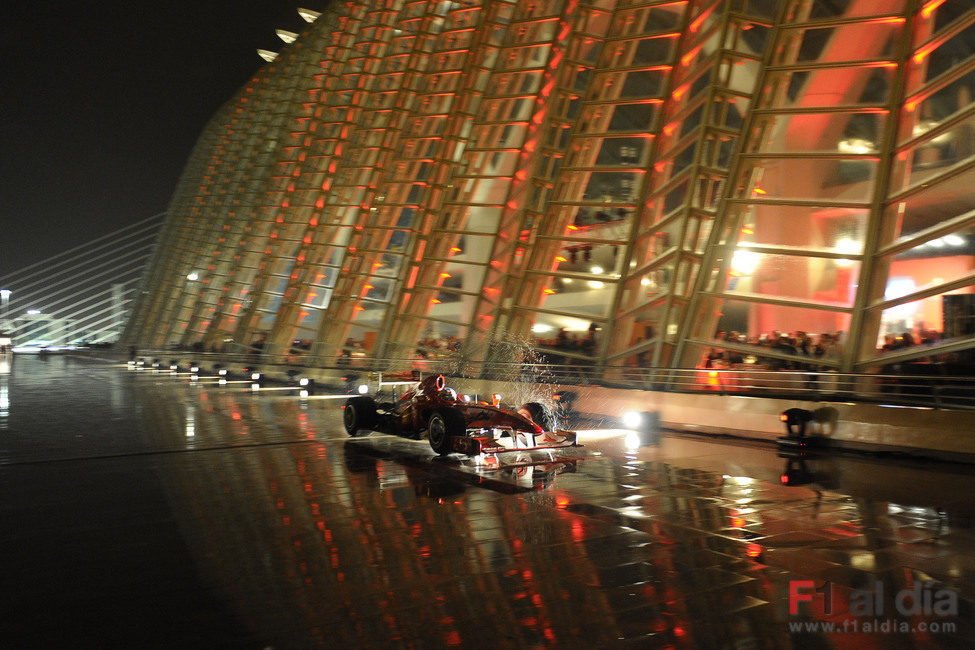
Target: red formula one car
{"points": [[455, 423]]}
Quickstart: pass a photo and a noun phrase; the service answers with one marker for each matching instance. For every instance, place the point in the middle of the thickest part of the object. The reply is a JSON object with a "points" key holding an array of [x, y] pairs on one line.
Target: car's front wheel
{"points": [[444, 423], [359, 414]]}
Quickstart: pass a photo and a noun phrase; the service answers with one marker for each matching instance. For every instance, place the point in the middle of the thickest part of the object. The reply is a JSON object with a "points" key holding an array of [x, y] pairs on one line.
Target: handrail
{"points": [[935, 391]]}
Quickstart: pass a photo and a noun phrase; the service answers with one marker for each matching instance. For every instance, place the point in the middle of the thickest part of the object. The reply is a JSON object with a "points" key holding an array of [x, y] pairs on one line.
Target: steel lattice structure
{"points": [[618, 182]]}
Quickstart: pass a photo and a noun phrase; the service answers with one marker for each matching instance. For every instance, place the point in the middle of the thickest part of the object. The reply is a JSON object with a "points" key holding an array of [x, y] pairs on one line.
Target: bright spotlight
{"points": [[363, 389], [745, 262], [632, 419]]}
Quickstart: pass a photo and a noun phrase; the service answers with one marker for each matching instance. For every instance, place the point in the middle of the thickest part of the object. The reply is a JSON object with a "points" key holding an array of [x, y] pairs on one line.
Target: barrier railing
{"points": [[933, 390]]}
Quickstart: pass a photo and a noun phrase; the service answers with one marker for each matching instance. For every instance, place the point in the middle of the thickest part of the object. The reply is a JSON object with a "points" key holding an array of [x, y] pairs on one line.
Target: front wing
{"points": [[493, 441]]}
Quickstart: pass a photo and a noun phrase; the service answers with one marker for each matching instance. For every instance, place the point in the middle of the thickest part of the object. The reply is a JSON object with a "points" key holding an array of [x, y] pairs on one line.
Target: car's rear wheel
{"points": [[359, 415], [540, 415], [444, 423]]}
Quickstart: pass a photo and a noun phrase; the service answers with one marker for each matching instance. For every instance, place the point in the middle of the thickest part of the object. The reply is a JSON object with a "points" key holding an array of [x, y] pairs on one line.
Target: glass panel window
{"points": [[708, 193], [730, 111], [946, 56], [833, 229], [684, 158], [632, 117], [943, 103], [622, 152], [717, 150], [947, 316], [857, 133], [950, 198], [675, 198], [650, 245], [936, 261], [653, 50], [642, 83], [763, 8], [747, 37], [823, 179], [740, 74], [308, 319], [569, 335], [929, 158], [590, 299], [600, 262], [826, 44], [616, 187], [948, 11], [696, 235], [690, 122], [662, 19], [473, 219], [822, 9], [643, 286], [821, 280], [848, 85]]}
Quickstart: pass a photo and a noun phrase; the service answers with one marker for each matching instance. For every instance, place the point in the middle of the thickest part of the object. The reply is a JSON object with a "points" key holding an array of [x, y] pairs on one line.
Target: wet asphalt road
{"points": [[144, 510]]}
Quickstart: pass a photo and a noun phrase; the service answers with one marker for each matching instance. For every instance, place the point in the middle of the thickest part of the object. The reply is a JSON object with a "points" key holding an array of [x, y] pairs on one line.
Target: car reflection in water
{"points": [[439, 477]]}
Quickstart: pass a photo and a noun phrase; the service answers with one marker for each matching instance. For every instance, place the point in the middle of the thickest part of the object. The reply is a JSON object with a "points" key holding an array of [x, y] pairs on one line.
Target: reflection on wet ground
{"points": [[142, 510]]}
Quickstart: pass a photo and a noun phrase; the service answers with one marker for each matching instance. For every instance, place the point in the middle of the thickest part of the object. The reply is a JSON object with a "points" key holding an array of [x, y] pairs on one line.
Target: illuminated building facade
{"points": [[618, 182]]}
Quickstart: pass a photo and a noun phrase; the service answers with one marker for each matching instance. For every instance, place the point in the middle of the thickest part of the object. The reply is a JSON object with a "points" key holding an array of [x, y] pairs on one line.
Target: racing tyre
{"points": [[359, 414], [444, 423], [541, 415]]}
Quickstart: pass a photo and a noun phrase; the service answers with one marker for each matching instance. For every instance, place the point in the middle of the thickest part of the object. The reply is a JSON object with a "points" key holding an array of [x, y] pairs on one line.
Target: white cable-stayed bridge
{"points": [[79, 296]]}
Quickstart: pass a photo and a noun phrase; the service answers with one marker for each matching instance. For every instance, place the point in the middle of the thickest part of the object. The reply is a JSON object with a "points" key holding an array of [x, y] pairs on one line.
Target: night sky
{"points": [[101, 103]]}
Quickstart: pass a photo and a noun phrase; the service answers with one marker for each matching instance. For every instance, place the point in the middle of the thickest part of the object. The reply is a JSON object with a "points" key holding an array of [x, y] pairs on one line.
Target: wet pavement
{"points": [[143, 510]]}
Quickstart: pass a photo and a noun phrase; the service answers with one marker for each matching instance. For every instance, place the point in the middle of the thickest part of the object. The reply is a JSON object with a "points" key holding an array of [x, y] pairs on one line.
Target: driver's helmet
{"points": [[443, 393], [448, 394]]}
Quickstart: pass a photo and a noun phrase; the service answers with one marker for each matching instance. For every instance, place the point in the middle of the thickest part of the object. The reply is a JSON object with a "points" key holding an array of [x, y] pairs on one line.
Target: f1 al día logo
{"points": [[922, 599]]}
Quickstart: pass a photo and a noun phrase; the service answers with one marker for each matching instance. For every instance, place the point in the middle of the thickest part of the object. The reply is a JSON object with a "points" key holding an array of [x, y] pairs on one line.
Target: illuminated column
{"points": [[379, 197], [452, 244]]}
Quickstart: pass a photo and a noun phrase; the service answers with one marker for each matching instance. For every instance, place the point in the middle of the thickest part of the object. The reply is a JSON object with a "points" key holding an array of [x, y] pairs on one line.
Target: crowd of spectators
{"points": [[907, 339], [568, 341], [435, 348], [804, 347], [353, 350]]}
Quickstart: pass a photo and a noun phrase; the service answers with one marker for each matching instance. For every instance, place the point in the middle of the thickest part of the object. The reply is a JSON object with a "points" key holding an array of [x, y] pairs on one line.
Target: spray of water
{"points": [[528, 371]]}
